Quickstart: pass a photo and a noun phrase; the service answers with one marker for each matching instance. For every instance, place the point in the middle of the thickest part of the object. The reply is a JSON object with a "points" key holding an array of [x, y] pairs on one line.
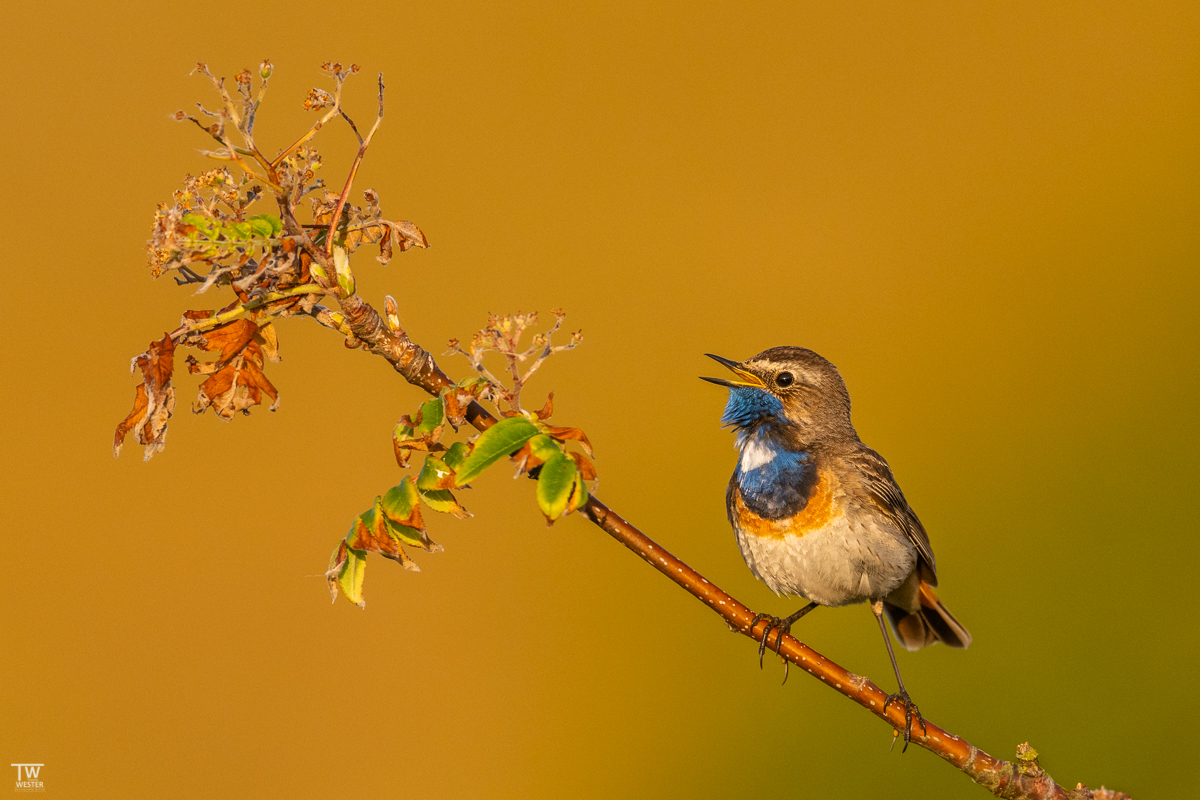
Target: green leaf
{"points": [[341, 263], [350, 580], [498, 441], [543, 447], [405, 533], [555, 483], [275, 223], [456, 454], [239, 230], [442, 501], [431, 415], [260, 228], [367, 517], [398, 502], [200, 222], [434, 471]]}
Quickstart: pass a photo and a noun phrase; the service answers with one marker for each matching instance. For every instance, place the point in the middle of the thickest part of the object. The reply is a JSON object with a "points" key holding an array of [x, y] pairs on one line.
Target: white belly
{"points": [[838, 564]]}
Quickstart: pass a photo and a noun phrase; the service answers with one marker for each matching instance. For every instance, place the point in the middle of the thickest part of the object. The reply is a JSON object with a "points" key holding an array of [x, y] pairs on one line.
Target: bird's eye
{"points": [[784, 379]]}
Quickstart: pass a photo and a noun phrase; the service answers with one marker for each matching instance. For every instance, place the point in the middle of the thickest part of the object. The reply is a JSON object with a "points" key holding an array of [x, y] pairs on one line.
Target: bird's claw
{"points": [[910, 710], [781, 626]]}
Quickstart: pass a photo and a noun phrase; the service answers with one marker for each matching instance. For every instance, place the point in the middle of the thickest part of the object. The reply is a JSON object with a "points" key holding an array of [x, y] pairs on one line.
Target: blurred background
{"points": [[985, 214]]}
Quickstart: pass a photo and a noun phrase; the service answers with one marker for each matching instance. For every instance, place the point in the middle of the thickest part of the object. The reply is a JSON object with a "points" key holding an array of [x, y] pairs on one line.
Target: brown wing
{"points": [[729, 499], [884, 492]]}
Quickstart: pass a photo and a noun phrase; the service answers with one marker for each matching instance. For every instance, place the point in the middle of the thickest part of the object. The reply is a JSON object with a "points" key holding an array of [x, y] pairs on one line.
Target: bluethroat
{"points": [[818, 514]]}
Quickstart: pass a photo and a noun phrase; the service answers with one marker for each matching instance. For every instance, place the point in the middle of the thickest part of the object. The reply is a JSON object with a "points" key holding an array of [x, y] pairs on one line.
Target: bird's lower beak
{"points": [[748, 378]]}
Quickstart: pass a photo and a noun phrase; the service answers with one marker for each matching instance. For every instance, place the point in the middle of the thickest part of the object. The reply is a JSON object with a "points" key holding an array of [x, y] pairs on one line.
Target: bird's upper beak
{"points": [[747, 378]]}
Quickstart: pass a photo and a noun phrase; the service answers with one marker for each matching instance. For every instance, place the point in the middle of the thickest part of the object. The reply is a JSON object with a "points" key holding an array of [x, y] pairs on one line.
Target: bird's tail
{"points": [[930, 623]]}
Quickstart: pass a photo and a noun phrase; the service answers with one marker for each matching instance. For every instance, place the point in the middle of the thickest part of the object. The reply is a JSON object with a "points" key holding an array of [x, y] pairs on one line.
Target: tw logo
{"points": [[30, 782]]}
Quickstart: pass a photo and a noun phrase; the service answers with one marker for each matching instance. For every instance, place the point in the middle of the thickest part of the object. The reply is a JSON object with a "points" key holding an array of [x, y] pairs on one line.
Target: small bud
{"points": [[265, 69], [389, 309]]}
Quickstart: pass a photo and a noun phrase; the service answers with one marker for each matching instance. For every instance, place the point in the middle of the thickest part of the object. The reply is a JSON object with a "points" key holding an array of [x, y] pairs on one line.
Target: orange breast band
{"points": [[816, 514]]}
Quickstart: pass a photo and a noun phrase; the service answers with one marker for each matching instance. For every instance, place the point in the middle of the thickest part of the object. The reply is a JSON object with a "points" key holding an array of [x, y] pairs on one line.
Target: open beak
{"points": [[747, 378]]}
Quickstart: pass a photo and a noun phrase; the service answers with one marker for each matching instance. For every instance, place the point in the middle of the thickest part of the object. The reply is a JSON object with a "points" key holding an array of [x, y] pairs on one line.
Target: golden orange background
{"points": [[986, 214]]}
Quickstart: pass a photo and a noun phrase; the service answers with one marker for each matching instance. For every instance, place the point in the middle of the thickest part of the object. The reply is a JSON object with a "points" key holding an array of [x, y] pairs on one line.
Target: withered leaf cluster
{"points": [[235, 380], [237, 227], [367, 226]]}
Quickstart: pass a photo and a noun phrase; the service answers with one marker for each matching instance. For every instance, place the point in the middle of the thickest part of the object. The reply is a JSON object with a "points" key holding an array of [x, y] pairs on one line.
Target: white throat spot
{"points": [[756, 453]]}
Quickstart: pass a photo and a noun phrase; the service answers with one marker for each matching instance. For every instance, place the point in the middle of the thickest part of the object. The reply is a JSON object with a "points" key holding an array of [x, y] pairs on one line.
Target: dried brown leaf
{"points": [[385, 250], [547, 409], [586, 468], [230, 338], [140, 404], [406, 235], [335, 568], [571, 434], [269, 340], [458, 398], [154, 401]]}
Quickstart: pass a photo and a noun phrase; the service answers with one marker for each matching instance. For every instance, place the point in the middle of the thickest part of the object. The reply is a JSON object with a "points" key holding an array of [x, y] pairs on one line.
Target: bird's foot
{"points": [[910, 711], [781, 626], [773, 623]]}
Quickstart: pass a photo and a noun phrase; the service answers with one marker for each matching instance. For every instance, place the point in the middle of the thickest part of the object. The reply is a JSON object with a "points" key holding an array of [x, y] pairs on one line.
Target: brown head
{"points": [[793, 391]]}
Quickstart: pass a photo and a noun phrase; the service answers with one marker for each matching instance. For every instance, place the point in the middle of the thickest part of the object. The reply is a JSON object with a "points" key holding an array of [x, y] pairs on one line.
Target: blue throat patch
{"points": [[748, 404]]}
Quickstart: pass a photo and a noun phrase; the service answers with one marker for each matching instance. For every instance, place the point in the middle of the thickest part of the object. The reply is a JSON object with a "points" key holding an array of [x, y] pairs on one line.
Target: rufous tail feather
{"points": [[930, 623]]}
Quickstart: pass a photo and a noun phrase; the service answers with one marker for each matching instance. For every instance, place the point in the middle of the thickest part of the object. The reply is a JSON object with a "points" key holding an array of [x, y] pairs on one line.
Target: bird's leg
{"points": [[781, 626], [901, 697]]}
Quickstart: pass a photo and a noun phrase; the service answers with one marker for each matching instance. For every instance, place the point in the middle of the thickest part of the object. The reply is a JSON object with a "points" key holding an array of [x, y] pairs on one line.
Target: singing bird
{"points": [[819, 514]]}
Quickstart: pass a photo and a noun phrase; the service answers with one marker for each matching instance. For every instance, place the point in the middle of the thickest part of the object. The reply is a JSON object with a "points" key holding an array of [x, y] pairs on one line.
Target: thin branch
{"points": [[362, 149], [1002, 778], [353, 127], [191, 326]]}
